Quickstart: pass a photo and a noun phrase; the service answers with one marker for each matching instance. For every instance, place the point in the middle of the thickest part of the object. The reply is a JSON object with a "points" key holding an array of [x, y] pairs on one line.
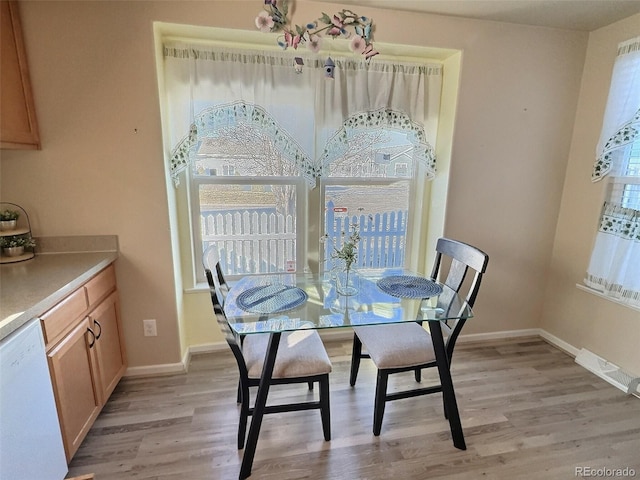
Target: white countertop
{"points": [[30, 288]]}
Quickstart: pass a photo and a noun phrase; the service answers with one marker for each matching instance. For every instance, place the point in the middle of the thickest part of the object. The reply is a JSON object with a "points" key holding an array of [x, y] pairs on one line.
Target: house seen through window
{"points": [[247, 195]]}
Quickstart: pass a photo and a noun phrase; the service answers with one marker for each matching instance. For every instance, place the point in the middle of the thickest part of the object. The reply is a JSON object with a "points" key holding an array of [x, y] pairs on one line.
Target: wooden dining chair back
{"points": [[462, 257], [408, 347], [222, 282], [301, 358]]}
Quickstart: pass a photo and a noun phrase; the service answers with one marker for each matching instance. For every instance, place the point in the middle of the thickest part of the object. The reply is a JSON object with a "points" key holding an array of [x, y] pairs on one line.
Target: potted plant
{"points": [[346, 278], [14, 245], [8, 219]]}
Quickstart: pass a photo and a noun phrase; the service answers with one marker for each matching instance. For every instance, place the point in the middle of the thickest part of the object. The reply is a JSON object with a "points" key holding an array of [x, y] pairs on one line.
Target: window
{"points": [[613, 268], [245, 196], [630, 192], [254, 138], [368, 188]]}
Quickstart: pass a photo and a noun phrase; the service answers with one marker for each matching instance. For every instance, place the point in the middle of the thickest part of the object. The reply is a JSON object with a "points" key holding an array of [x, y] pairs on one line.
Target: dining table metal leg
{"points": [[448, 393], [260, 404]]}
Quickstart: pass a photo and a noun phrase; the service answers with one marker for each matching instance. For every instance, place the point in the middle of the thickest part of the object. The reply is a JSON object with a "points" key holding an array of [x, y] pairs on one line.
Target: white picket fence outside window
{"points": [[248, 242], [382, 237]]}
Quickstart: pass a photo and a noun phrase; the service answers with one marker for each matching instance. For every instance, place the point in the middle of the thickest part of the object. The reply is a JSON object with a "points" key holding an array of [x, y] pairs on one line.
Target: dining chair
{"points": [[224, 286], [407, 347], [301, 358]]}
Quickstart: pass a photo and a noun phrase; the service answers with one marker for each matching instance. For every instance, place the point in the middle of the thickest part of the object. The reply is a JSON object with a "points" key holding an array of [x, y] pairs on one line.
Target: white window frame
{"points": [[412, 214], [431, 212], [195, 181]]}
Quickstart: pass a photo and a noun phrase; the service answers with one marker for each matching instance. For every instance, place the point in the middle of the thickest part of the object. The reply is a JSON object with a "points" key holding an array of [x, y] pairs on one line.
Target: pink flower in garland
{"points": [[336, 27], [275, 19], [314, 43], [357, 44], [264, 22]]}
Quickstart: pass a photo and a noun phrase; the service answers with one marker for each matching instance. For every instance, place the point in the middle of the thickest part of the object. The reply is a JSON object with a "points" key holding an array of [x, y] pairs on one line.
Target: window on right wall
{"points": [[614, 269]]}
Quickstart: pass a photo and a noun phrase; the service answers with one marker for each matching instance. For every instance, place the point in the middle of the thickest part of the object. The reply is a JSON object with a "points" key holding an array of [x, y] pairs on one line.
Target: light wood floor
{"points": [[528, 411]]}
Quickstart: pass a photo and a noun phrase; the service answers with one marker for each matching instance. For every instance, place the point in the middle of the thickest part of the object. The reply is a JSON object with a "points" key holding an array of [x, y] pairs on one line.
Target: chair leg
{"points": [[444, 408], [378, 408], [310, 385], [243, 392], [418, 374], [325, 410], [239, 396], [356, 354]]}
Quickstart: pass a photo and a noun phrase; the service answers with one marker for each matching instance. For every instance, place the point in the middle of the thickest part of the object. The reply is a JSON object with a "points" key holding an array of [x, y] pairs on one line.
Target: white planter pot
{"points": [[8, 225], [13, 251]]}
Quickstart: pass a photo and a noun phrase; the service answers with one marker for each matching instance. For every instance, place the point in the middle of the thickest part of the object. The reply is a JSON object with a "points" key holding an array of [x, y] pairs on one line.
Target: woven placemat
{"points": [[409, 286], [271, 298]]}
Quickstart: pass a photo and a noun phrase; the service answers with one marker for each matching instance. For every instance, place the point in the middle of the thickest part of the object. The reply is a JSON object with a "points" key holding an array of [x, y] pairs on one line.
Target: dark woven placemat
{"points": [[409, 286], [271, 298]]}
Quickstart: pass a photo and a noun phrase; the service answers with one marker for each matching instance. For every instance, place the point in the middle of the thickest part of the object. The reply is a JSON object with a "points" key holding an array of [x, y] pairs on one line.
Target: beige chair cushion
{"points": [[397, 345], [300, 354]]}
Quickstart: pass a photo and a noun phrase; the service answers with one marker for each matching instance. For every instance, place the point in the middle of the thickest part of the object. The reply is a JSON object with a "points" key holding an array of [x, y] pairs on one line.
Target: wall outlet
{"points": [[149, 326]]}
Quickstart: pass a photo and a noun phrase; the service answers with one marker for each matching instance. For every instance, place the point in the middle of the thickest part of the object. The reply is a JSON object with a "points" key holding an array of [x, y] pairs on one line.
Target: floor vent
{"points": [[609, 372]]}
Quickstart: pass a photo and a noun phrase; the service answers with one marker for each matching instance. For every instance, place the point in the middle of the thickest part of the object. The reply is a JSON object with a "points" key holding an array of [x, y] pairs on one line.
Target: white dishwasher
{"points": [[30, 439]]}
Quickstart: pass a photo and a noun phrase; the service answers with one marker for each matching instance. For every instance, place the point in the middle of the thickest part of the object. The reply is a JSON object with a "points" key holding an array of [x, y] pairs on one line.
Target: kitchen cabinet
{"points": [[73, 367], [18, 124], [85, 349], [106, 324]]}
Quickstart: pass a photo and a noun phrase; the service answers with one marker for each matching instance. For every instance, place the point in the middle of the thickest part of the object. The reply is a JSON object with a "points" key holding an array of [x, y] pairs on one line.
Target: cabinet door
{"points": [[18, 125], [72, 364], [112, 361]]}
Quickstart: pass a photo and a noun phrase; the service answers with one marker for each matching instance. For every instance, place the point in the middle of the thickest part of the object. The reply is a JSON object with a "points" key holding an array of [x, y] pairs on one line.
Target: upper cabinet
{"points": [[18, 125]]}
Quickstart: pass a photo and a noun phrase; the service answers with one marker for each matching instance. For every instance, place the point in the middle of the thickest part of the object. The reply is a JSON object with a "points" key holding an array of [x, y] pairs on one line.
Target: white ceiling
{"points": [[584, 15]]}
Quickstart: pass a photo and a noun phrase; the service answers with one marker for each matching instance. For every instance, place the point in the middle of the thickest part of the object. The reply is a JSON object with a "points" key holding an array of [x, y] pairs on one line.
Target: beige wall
{"points": [[580, 318], [101, 167]]}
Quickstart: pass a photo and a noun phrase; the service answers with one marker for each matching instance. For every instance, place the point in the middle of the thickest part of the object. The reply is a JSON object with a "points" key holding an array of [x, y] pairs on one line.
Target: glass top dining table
{"points": [[285, 302], [277, 303]]}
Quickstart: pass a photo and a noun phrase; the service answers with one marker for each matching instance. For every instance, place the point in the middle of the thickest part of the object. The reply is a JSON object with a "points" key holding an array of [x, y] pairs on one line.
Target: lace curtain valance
{"points": [[211, 121], [387, 119], [307, 116], [621, 122]]}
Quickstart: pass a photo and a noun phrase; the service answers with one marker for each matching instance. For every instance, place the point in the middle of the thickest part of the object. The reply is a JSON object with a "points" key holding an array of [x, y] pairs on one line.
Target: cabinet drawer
{"points": [[100, 285], [63, 315]]}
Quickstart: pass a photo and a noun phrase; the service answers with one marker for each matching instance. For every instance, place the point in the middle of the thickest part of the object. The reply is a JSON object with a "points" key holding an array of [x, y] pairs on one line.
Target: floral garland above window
{"points": [[274, 19]]}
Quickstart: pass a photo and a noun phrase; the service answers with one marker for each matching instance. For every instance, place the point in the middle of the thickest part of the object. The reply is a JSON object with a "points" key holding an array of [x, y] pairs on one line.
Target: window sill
{"points": [[199, 288], [602, 295]]}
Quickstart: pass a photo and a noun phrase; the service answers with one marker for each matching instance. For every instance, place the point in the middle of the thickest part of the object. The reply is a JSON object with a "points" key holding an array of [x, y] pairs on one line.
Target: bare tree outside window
{"points": [[248, 152]]}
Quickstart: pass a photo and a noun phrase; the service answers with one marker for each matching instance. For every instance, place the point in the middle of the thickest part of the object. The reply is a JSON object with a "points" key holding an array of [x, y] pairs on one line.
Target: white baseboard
{"points": [[208, 348], [527, 332], [561, 344], [156, 370], [174, 368], [343, 334], [482, 337]]}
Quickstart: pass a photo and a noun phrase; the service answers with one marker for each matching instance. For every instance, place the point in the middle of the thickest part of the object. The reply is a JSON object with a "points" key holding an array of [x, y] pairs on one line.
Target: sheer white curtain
{"points": [[208, 88], [621, 118], [614, 268], [306, 113], [399, 96]]}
